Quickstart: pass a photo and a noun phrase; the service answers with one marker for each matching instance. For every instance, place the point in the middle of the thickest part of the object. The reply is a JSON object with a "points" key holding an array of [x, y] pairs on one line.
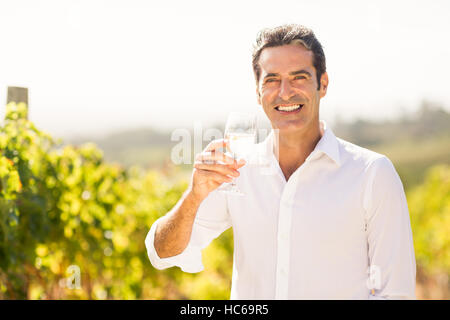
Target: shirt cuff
{"points": [[190, 260]]}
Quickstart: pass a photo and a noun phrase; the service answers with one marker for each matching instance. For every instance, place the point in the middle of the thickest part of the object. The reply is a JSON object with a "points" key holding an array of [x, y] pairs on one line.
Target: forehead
{"points": [[285, 59]]}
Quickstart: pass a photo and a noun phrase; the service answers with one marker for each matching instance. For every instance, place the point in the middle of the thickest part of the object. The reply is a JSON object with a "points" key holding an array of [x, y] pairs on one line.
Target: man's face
{"points": [[288, 78]]}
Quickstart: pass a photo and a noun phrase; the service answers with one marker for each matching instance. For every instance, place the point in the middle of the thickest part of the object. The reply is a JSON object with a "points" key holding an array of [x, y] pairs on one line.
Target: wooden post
{"points": [[18, 95]]}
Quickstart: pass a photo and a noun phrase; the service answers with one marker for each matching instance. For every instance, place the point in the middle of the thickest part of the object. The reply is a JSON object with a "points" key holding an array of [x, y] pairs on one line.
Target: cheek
{"points": [[268, 95], [266, 102]]}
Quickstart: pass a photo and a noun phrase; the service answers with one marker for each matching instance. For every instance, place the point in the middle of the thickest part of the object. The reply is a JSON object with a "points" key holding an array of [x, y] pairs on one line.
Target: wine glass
{"points": [[240, 131]]}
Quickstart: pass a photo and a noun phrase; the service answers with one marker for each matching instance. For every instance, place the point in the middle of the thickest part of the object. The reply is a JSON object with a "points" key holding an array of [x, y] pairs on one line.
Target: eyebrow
{"points": [[293, 73]]}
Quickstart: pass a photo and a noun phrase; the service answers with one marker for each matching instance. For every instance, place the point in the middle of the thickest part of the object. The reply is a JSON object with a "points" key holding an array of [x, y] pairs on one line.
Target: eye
{"points": [[271, 80], [299, 77]]}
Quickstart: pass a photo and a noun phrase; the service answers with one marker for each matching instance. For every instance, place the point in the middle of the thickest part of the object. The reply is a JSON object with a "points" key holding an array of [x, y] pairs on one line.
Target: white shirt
{"points": [[338, 228]]}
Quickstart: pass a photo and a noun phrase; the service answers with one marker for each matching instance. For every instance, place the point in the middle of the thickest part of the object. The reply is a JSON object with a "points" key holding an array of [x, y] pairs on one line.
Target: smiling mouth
{"points": [[289, 108]]}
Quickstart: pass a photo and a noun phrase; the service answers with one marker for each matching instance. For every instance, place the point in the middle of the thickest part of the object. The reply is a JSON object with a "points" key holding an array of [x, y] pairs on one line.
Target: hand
{"points": [[208, 174]]}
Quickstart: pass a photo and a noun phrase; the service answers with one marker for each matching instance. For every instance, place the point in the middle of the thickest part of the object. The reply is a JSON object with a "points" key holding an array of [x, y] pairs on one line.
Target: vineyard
{"points": [[62, 207], [65, 206]]}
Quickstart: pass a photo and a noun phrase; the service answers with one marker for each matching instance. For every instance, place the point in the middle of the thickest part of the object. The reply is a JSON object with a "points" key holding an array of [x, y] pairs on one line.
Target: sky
{"points": [[93, 67]]}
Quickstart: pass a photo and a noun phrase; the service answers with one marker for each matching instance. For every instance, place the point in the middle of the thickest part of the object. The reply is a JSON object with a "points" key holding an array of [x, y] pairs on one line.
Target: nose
{"points": [[286, 91]]}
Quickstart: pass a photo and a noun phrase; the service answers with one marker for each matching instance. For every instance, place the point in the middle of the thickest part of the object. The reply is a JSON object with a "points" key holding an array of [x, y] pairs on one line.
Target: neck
{"points": [[295, 146]]}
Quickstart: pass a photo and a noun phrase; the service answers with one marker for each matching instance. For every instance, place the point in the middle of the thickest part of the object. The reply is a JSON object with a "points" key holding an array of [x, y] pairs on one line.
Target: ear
{"points": [[323, 84]]}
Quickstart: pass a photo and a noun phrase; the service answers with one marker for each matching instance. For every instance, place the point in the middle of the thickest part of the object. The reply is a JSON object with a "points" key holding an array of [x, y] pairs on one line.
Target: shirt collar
{"points": [[328, 144]]}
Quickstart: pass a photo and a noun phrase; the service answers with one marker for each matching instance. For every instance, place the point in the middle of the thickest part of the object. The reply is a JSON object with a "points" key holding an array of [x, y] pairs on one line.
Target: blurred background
{"points": [[91, 92]]}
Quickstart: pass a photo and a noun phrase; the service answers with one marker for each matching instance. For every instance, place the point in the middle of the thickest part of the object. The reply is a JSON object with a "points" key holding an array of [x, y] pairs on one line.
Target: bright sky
{"points": [[95, 66]]}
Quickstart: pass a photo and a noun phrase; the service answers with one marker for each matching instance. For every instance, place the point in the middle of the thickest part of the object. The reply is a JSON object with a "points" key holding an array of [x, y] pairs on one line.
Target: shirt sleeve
{"points": [[392, 265], [211, 220]]}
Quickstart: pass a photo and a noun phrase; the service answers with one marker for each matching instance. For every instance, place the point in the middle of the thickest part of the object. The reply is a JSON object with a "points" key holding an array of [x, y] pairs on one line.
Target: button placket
{"points": [[283, 245], [284, 231]]}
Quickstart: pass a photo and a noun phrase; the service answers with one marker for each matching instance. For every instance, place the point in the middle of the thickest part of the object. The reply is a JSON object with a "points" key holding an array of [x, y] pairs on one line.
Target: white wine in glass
{"points": [[240, 131]]}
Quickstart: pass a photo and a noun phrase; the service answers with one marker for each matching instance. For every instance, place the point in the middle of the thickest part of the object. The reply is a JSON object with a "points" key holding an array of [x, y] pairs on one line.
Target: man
{"points": [[332, 222]]}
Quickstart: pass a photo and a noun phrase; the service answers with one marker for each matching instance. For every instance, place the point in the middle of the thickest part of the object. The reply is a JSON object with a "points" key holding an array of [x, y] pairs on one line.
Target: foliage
{"points": [[66, 206], [430, 219]]}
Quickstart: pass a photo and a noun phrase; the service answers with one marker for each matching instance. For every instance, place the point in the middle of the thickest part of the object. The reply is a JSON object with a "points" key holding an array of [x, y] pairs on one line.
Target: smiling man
{"points": [[330, 221], [289, 88]]}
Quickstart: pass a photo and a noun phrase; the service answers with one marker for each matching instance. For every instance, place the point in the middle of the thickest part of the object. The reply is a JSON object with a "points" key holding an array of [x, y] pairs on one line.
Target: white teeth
{"points": [[289, 108]]}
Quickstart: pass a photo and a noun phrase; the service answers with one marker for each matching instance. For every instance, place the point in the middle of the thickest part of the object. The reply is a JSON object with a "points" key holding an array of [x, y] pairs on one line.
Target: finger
{"points": [[215, 176], [239, 164], [223, 169], [216, 144], [214, 156]]}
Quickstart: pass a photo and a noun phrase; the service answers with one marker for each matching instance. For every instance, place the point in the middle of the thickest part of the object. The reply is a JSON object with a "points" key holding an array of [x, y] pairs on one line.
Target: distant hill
{"points": [[145, 147], [430, 121]]}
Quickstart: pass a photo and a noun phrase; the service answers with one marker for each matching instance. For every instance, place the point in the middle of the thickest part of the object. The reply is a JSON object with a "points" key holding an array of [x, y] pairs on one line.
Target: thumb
{"points": [[240, 163]]}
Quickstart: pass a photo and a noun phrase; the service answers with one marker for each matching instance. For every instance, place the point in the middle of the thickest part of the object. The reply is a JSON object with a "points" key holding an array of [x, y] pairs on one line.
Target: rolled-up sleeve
{"points": [[211, 220], [391, 251]]}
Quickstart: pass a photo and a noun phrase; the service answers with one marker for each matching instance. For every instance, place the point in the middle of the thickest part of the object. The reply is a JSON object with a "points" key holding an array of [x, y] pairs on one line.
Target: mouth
{"points": [[289, 109]]}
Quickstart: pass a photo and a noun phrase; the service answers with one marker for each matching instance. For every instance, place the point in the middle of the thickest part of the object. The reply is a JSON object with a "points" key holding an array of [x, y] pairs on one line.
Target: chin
{"points": [[290, 125]]}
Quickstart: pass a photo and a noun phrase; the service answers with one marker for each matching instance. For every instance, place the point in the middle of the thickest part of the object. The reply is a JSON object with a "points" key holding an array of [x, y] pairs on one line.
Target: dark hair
{"points": [[287, 34]]}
